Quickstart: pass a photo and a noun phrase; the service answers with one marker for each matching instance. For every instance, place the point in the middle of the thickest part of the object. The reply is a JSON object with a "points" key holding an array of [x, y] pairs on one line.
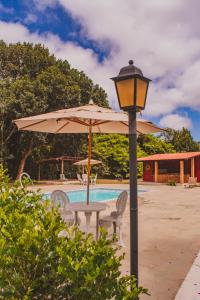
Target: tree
{"points": [[151, 144], [113, 150], [40, 258], [32, 82], [182, 140]]}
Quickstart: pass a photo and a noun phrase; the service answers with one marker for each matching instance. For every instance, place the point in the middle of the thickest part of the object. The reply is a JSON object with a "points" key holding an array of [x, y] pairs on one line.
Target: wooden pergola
{"points": [[61, 160]]}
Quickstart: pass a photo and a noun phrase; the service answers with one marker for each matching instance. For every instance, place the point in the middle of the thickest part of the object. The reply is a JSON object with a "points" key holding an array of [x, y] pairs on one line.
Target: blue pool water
{"points": [[97, 195]]}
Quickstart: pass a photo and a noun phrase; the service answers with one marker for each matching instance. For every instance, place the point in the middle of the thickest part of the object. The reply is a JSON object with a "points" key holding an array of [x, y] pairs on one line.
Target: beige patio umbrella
{"points": [[89, 119], [84, 162]]}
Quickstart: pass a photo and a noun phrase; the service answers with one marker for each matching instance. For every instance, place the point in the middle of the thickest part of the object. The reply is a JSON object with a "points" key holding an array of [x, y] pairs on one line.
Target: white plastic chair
{"points": [[84, 176], [62, 177], [61, 200], [192, 181], [25, 176], [115, 217], [79, 178], [94, 180]]}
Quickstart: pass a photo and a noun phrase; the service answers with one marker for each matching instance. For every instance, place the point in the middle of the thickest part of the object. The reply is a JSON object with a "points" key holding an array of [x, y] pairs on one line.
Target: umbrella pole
{"points": [[89, 163]]}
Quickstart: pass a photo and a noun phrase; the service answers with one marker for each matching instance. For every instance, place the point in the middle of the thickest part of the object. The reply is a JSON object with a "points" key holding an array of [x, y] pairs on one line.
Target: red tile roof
{"points": [[170, 156]]}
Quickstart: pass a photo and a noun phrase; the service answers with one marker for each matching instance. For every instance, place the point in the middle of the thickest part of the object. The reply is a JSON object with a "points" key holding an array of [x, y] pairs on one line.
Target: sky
{"points": [[101, 36]]}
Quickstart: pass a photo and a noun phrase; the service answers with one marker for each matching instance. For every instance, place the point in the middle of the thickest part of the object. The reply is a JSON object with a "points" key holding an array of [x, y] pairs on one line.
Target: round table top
{"points": [[83, 206]]}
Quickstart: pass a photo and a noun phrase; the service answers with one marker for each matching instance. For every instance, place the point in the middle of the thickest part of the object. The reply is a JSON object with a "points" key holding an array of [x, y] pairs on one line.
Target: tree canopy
{"points": [[32, 81], [153, 144], [182, 140]]}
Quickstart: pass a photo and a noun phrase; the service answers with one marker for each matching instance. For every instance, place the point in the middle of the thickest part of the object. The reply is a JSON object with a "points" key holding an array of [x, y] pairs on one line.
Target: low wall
{"points": [[112, 181], [164, 178]]}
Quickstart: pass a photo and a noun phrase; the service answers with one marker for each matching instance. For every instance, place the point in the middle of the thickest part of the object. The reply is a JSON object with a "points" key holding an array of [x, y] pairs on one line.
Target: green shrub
{"points": [[172, 183], [42, 259], [93, 176]]}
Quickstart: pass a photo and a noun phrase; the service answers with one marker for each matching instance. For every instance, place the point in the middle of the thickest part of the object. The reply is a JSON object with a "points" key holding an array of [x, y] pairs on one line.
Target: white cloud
{"points": [[162, 37], [5, 9], [176, 121], [30, 18], [42, 4], [83, 59]]}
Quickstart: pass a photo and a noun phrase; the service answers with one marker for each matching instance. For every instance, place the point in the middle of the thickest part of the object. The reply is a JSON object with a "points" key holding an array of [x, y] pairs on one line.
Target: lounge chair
{"points": [[84, 176], [115, 217], [192, 181], [61, 200], [79, 178], [62, 177], [25, 176], [94, 180]]}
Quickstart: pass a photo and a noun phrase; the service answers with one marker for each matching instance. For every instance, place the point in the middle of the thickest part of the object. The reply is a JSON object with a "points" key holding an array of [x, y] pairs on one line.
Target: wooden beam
{"points": [[56, 159], [60, 128], [39, 172], [156, 171], [127, 126], [89, 162], [62, 166], [181, 171], [192, 167], [33, 124]]}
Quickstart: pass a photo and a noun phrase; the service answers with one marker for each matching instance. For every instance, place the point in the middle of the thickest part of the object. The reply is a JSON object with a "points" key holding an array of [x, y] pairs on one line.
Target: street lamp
{"points": [[131, 87]]}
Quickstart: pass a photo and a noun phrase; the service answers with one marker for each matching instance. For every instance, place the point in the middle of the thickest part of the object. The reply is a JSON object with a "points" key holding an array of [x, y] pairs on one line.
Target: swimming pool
{"points": [[96, 195]]}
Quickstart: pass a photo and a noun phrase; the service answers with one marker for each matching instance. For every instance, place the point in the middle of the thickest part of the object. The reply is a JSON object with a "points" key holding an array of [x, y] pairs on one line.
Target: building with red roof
{"points": [[167, 167]]}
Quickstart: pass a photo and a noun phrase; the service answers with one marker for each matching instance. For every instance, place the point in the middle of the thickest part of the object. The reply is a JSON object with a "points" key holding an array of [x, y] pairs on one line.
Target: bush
{"points": [[39, 261], [171, 183]]}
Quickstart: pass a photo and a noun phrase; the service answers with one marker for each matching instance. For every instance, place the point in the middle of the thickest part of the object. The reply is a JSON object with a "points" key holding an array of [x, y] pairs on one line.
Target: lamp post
{"points": [[131, 87]]}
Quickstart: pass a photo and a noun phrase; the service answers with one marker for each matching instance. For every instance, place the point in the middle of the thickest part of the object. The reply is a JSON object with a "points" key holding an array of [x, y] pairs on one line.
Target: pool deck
{"points": [[190, 288], [169, 235]]}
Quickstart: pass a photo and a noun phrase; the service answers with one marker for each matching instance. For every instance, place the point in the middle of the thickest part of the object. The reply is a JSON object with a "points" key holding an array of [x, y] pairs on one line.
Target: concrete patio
{"points": [[169, 236]]}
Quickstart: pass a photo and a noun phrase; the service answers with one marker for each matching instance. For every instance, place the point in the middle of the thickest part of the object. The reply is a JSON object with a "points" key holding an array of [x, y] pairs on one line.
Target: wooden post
{"points": [[181, 171], [156, 171], [89, 162], [192, 167], [38, 172], [62, 169]]}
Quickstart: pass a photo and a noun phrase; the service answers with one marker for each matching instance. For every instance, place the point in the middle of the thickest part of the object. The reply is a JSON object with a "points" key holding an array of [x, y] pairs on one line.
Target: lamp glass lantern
{"points": [[131, 87]]}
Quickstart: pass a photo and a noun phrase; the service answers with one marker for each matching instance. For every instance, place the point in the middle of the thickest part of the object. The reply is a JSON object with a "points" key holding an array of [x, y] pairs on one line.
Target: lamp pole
{"points": [[131, 87], [133, 193]]}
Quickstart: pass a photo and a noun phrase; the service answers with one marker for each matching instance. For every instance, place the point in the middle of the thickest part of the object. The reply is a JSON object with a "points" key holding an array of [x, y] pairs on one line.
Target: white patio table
{"points": [[88, 209]]}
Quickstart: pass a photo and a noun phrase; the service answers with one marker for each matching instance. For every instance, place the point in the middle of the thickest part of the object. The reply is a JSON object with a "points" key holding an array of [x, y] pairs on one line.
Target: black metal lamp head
{"points": [[131, 87], [130, 70]]}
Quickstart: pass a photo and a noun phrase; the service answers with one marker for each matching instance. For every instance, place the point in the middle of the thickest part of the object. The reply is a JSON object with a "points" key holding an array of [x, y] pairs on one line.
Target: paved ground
{"points": [[190, 288], [169, 236]]}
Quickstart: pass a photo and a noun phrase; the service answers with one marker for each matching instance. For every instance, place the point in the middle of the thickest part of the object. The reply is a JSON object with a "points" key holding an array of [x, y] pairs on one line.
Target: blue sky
{"points": [[99, 37], [50, 19]]}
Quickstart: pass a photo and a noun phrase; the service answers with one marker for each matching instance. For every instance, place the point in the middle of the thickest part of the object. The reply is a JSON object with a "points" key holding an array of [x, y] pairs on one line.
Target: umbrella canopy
{"points": [[84, 119], [84, 162], [79, 119]]}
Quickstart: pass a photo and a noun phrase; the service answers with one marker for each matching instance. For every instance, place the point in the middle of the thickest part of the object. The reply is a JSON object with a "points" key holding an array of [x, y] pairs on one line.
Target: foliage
{"points": [[113, 150], [182, 140], [42, 259], [153, 144], [32, 82], [171, 183], [140, 153]]}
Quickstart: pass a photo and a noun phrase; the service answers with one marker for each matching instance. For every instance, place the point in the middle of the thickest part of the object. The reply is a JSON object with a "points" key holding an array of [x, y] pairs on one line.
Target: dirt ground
{"points": [[169, 235]]}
